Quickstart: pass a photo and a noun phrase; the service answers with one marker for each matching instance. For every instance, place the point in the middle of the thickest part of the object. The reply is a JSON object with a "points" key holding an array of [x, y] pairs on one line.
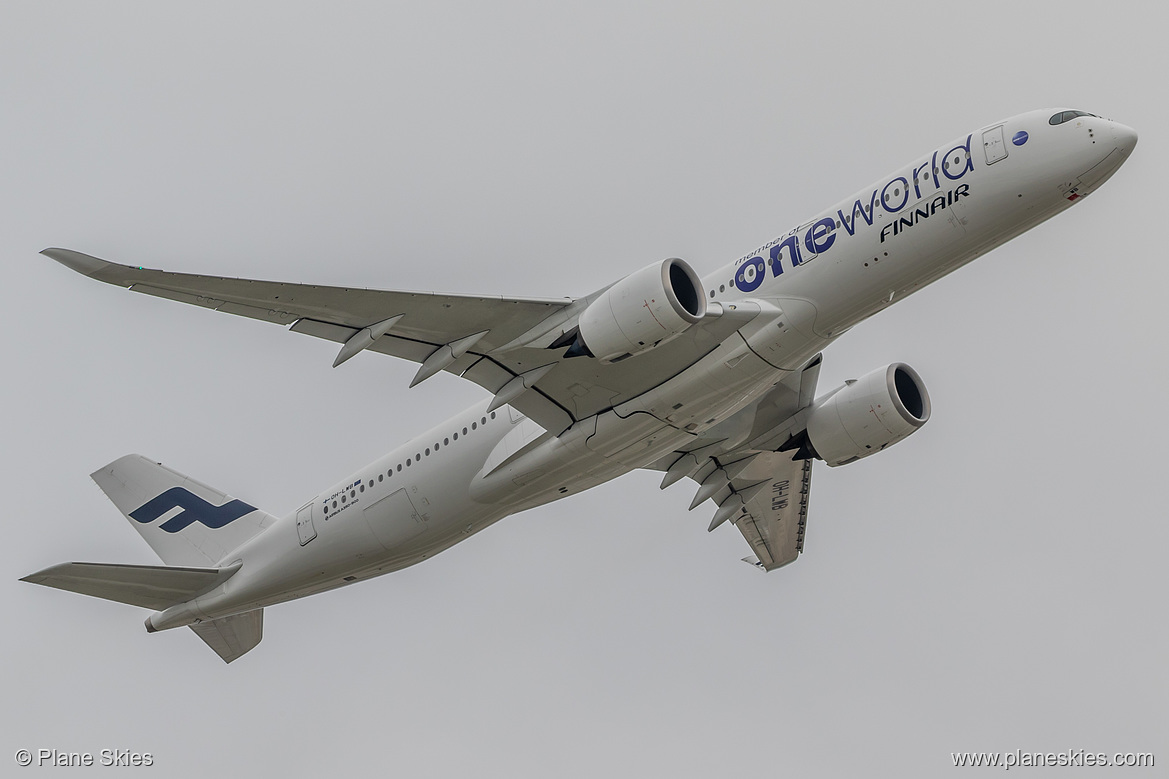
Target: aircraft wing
{"points": [[498, 343], [774, 519], [760, 482], [763, 494]]}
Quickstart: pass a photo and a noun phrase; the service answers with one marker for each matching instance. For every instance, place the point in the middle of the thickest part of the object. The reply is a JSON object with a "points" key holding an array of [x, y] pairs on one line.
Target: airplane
{"points": [[711, 379]]}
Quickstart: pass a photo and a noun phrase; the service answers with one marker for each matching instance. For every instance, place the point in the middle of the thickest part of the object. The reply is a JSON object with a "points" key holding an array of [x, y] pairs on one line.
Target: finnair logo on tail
{"points": [[194, 509]]}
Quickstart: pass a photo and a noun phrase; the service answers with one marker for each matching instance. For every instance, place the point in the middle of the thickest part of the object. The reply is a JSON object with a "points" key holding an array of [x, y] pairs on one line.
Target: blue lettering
{"points": [[902, 189], [958, 161], [792, 243], [917, 179], [857, 208], [750, 274], [820, 236]]}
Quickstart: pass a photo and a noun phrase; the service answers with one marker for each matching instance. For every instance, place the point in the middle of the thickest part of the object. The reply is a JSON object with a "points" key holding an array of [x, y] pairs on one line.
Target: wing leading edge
{"points": [[410, 325], [501, 344]]}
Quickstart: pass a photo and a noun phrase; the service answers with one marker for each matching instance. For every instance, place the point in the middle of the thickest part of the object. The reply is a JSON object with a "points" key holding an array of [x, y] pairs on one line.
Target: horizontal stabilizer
{"points": [[232, 637], [155, 587]]}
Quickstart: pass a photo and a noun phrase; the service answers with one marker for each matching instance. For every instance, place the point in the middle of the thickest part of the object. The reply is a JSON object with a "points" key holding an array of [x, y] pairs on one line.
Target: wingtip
{"points": [[39, 577], [82, 263]]}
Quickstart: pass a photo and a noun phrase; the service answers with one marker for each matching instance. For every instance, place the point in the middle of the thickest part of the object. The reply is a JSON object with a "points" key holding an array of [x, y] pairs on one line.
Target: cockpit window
{"points": [[1067, 116]]}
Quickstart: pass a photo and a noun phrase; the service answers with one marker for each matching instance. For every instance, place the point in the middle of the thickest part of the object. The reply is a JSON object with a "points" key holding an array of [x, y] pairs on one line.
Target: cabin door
{"points": [[994, 145], [304, 524]]}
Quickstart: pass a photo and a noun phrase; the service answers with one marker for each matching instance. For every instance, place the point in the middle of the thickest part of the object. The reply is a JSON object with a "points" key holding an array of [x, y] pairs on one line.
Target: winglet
{"points": [[82, 263]]}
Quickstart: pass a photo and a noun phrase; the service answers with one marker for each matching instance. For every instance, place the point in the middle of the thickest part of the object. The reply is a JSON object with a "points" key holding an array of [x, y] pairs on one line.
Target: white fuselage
{"points": [[926, 219]]}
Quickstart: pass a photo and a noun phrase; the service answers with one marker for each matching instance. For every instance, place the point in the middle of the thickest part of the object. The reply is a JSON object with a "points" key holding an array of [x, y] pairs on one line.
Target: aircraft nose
{"points": [[1125, 137]]}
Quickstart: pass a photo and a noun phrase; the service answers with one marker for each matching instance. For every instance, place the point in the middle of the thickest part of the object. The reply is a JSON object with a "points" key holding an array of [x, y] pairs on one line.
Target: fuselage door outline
{"points": [[304, 524], [994, 145]]}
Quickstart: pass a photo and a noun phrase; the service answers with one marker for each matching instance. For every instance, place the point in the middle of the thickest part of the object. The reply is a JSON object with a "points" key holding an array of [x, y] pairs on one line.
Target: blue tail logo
{"points": [[194, 509]]}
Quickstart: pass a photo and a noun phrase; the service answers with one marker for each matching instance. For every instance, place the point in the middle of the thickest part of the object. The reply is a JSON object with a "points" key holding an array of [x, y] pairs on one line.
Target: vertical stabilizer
{"points": [[184, 521]]}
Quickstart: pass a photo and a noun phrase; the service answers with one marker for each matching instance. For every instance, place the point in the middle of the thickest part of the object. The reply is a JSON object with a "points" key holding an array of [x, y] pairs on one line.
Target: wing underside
{"points": [[498, 343], [774, 520], [761, 482]]}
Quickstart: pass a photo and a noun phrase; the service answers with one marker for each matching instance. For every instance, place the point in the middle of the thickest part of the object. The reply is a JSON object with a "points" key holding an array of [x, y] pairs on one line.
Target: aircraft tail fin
{"points": [[185, 522], [232, 637], [155, 587]]}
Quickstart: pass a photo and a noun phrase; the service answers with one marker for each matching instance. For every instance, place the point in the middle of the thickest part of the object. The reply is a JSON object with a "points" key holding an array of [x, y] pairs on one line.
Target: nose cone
{"points": [[1125, 137]]}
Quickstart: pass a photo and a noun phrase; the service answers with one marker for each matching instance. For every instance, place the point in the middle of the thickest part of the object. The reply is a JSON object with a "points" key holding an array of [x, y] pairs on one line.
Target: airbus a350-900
{"points": [[708, 378]]}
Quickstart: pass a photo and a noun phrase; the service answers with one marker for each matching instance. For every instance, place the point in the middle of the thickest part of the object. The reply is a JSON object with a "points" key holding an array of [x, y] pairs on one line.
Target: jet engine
{"points": [[644, 309], [868, 414]]}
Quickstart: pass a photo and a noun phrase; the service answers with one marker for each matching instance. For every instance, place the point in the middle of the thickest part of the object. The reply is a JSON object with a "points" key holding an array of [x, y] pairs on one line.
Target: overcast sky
{"points": [[996, 582]]}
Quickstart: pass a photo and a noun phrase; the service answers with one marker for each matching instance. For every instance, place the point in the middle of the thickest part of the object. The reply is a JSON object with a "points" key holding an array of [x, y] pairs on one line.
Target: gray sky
{"points": [[997, 582]]}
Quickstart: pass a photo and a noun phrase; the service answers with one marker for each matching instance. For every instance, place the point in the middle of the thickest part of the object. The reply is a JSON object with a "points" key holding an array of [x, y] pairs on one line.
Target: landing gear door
{"points": [[994, 145], [304, 525]]}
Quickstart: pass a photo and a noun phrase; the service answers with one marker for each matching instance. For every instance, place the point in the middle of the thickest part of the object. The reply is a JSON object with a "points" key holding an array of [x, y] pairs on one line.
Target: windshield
{"points": [[1067, 116]]}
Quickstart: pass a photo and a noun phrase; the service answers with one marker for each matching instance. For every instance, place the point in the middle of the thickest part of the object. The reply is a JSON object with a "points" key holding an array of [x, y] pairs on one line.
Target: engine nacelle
{"points": [[644, 309], [868, 414]]}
